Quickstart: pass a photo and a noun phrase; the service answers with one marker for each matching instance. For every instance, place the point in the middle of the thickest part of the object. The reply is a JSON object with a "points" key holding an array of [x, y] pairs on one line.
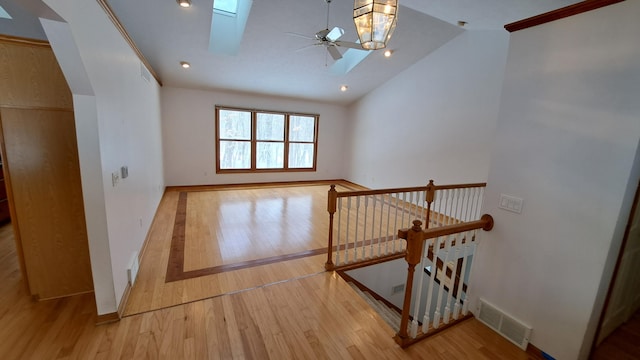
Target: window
{"points": [[265, 141]]}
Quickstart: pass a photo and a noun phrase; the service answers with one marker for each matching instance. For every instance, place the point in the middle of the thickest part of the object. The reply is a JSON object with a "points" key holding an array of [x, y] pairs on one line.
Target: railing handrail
{"points": [[485, 223], [407, 189]]}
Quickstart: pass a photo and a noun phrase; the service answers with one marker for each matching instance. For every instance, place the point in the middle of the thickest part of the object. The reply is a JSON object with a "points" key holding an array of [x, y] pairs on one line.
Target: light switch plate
{"points": [[511, 203]]}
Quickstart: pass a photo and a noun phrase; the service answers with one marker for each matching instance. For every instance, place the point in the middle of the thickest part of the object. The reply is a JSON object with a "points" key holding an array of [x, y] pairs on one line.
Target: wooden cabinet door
{"points": [[41, 162]]}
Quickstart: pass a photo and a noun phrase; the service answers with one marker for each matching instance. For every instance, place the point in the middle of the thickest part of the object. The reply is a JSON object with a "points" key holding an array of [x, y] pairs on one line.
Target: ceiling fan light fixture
{"points": [[184, 3], [375, 21], [344, 88]]}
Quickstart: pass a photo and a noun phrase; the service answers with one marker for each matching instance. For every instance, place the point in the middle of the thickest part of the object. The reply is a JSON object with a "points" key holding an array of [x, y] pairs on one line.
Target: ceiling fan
{"points": [[329, 39]]}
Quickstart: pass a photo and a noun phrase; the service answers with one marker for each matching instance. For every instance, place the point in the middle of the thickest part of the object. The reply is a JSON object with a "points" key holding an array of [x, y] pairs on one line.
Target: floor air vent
{"points": [[512, 329]]}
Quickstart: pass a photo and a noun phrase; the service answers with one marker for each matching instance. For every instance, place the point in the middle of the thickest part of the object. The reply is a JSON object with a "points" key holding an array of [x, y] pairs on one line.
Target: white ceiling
{"points": [[270, 60]]}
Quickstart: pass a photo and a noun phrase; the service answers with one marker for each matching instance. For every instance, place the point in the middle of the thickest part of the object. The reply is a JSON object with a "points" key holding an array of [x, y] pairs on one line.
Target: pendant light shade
{"points": [[375, 21]]}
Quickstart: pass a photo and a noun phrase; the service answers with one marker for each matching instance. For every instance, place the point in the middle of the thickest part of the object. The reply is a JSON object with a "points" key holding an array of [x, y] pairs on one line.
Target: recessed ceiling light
{"points": [[184, 3], [185, 64], [344, 88], [462, 23], [387, 53]]}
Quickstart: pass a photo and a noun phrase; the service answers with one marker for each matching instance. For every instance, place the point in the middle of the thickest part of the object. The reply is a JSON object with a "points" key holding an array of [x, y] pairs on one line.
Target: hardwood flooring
{"points": [[213, 241], [623, 343], [283, 310], [312, 317]]}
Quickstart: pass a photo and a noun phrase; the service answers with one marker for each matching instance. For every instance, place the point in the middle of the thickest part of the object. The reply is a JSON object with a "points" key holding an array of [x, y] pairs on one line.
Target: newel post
{"points": [[431, 193], [331, 208], [415, 241]]}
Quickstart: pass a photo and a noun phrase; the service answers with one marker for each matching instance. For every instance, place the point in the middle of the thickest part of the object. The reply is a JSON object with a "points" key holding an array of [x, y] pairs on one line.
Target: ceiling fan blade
{"points": [[334, 52], [349, 44], [335, 34], [307, 47], [300, 35]]}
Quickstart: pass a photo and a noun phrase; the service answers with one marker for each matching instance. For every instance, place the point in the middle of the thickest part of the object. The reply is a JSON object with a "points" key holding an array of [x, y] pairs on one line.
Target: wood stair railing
{"points": [[363, 224], [451, 238]]}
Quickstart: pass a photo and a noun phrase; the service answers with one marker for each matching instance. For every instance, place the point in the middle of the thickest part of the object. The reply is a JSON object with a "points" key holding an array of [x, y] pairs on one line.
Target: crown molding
{"points": [[561, 13]]}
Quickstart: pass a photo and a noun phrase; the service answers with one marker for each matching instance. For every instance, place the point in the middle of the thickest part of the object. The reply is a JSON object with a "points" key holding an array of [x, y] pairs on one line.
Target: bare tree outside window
{"points": [[254, 141]]}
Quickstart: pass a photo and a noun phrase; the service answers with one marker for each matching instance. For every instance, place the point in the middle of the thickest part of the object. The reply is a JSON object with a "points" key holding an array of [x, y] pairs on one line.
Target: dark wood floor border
{"points": [[175, 265], [344, 183]]}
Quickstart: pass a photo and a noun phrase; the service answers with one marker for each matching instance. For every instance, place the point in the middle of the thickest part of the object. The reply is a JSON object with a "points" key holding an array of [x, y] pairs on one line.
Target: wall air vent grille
{"points": [[505, 325]]}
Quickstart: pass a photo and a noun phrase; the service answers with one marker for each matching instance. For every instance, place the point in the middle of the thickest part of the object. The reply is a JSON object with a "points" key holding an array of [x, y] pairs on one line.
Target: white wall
{"points": [[435, 120], [566, 139], [118, 120], [381, 278], [188, 126]]}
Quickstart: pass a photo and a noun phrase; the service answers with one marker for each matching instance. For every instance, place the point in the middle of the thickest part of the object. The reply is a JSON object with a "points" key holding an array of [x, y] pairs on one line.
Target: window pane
{"points": [[300, 156], [234, 124], [302, 128], [235, 155], [270, 127], [270, 155]]}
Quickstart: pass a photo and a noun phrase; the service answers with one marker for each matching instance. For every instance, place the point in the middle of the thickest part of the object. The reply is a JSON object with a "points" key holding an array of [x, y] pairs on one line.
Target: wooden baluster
{"points": [[395, 223], [415, 240], [450, 201], [465, 248], [331, 208], [468, 194], [373, 225], [382, 202], [442, 195], [438, 314], [346, 245], [454, 206], [364, 227], [404, 202], [432, 253], [339, 232], [472, 246], [415, 200], [357, 225], [454, 272]]}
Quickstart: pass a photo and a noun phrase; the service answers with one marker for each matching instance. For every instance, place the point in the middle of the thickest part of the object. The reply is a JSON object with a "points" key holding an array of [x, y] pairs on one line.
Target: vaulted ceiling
{"points": [[274, 57]]}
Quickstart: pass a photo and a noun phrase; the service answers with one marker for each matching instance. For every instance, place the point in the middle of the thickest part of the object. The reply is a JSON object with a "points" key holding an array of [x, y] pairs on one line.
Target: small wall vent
{"points": [[505, 325], [397, 289]]}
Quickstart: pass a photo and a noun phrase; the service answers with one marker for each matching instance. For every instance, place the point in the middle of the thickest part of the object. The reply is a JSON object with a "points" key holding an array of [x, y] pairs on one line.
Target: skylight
{"points": [[227, 25], [4, 14], [226, 7], [350, 59]]}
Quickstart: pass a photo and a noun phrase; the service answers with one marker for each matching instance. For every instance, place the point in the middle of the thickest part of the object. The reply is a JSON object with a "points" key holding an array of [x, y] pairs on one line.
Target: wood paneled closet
{"points": [[40, 158]]}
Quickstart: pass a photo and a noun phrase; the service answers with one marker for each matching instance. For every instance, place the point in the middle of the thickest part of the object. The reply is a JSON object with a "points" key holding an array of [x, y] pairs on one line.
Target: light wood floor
{"points": [[230, 239], [286, 310], [313, 317]]}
